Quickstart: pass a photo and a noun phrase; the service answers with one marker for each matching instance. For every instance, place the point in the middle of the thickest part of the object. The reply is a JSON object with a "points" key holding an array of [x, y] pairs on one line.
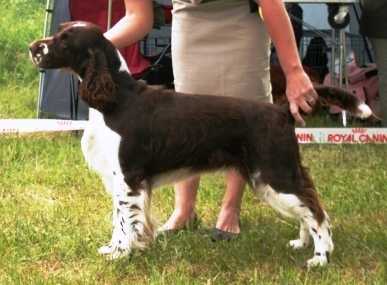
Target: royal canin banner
{"points": [[342, 135], [304, 135]]}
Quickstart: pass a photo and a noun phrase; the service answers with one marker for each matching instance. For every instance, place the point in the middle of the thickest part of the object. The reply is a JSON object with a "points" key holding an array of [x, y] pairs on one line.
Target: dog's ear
{"points": [[65, 25], [68, 24], [97, 87]]}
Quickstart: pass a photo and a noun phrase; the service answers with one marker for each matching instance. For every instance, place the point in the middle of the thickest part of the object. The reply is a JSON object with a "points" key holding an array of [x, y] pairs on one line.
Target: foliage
{"points": [[21, 21]]}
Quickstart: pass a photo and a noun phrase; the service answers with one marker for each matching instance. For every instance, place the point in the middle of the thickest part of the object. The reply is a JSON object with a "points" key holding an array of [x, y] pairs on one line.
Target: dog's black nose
{"points": [[33, 47]]}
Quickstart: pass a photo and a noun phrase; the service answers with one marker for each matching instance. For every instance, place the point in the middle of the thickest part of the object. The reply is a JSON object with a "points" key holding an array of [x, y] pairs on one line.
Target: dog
{"points": [[141, 137]]}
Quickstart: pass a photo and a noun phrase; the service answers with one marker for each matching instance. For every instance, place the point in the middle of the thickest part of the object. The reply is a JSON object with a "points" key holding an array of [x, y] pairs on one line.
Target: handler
{"points": [[222, 47]]}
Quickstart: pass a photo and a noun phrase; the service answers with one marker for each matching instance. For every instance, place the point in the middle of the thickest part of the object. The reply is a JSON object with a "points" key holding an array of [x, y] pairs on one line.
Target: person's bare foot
{"points": [[227, 226], [179, 220]]}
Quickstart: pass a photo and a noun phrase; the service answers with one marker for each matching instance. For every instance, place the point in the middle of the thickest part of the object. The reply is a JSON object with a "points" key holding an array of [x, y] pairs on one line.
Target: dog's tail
{"points": [[344, 99]]}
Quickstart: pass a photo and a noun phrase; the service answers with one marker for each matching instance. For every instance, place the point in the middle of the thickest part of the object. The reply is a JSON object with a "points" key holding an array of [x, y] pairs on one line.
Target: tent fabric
{"points": [[96, 12], [58, 90]]}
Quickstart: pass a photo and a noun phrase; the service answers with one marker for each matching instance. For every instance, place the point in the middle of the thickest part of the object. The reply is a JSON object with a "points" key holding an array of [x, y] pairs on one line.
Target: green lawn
{"points": [[55, 213]]}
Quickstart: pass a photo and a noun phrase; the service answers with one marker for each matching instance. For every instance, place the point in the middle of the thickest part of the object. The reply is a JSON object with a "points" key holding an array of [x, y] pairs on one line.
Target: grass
{"points": [[20, 23], [55, 213]]}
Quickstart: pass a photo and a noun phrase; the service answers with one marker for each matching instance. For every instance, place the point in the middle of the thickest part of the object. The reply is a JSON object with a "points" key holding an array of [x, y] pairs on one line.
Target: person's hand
{"points": [[301, 94]]}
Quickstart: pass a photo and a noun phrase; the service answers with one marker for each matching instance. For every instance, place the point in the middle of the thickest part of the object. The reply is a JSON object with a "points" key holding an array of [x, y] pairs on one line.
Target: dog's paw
{"points": [[118, 252], [297, 244], [318, 260], [116, 249], [106, 249], [114, 252]]}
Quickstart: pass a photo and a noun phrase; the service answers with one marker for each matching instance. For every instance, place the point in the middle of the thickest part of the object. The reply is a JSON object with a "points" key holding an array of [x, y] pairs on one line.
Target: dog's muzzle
{"points": [[37, 51]]}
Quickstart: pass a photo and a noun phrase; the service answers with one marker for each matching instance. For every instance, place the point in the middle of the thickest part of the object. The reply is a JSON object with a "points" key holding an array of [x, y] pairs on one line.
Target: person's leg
{"points": [[380, 49], [228, 219], [185, 197], [201, 66], [248, 77]]}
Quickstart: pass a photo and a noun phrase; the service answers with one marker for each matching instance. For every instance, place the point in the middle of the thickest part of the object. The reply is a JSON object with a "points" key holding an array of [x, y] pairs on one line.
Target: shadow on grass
{"points": [[261, 249], [261, 245]]}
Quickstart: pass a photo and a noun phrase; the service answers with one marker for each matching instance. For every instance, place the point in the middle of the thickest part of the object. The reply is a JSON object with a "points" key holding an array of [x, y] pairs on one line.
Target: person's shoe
{"points": [[220, 235]]}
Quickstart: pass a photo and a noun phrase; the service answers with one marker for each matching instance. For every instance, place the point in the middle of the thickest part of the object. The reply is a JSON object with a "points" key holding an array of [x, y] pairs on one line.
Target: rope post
{"points": [[342, 68], [109, 14], [46, 32]]}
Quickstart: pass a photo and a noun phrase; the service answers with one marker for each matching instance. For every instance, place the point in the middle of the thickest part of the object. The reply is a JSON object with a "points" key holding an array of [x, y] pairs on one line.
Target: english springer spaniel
{"points": [[140, 137]]}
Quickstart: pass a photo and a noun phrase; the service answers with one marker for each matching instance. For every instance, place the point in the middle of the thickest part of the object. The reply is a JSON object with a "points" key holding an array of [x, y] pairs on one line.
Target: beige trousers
{"points": [[220, 48]]}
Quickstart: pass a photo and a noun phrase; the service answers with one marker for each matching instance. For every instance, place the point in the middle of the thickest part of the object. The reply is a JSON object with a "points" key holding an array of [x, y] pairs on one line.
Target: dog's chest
{"points": [[100, 145]]}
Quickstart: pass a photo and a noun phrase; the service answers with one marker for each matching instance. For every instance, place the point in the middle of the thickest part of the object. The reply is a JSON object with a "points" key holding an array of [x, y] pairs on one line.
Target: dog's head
{"points": [[82, 48], [70, 47]]}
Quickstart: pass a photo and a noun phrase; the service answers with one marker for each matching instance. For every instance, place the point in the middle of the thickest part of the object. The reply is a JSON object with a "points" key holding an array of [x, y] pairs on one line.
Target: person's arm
{"points": [[136, 23], [299, 88]]}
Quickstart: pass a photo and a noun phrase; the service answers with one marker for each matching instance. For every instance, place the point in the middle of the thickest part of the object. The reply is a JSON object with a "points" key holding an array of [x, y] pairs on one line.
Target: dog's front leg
{"points": [[132, 226]]}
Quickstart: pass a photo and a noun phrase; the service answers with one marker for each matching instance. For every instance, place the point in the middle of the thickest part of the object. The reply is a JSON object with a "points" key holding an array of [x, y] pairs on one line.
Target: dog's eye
{"points": [[63, 40], [64, 36]]}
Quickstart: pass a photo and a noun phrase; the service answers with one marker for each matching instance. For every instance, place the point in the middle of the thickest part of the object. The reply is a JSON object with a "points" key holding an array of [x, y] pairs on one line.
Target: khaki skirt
{"points": [[220, 48]]}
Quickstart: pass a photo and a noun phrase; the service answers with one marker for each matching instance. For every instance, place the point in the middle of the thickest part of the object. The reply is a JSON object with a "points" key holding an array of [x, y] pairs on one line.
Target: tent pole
{"points": [[47, 25], [109, 16], [46, 31]]}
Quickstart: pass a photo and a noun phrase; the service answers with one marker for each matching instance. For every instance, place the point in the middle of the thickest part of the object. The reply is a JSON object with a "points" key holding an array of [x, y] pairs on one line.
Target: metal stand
{"points": [[342, 68], [338, 48], [338, 63], [109, 14], [46, 32]]}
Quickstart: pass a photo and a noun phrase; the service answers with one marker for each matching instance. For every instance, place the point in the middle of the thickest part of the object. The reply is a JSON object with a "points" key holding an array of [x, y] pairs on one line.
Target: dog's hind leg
{"points": [[307, 210], [322, 238], [317, 221]]}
